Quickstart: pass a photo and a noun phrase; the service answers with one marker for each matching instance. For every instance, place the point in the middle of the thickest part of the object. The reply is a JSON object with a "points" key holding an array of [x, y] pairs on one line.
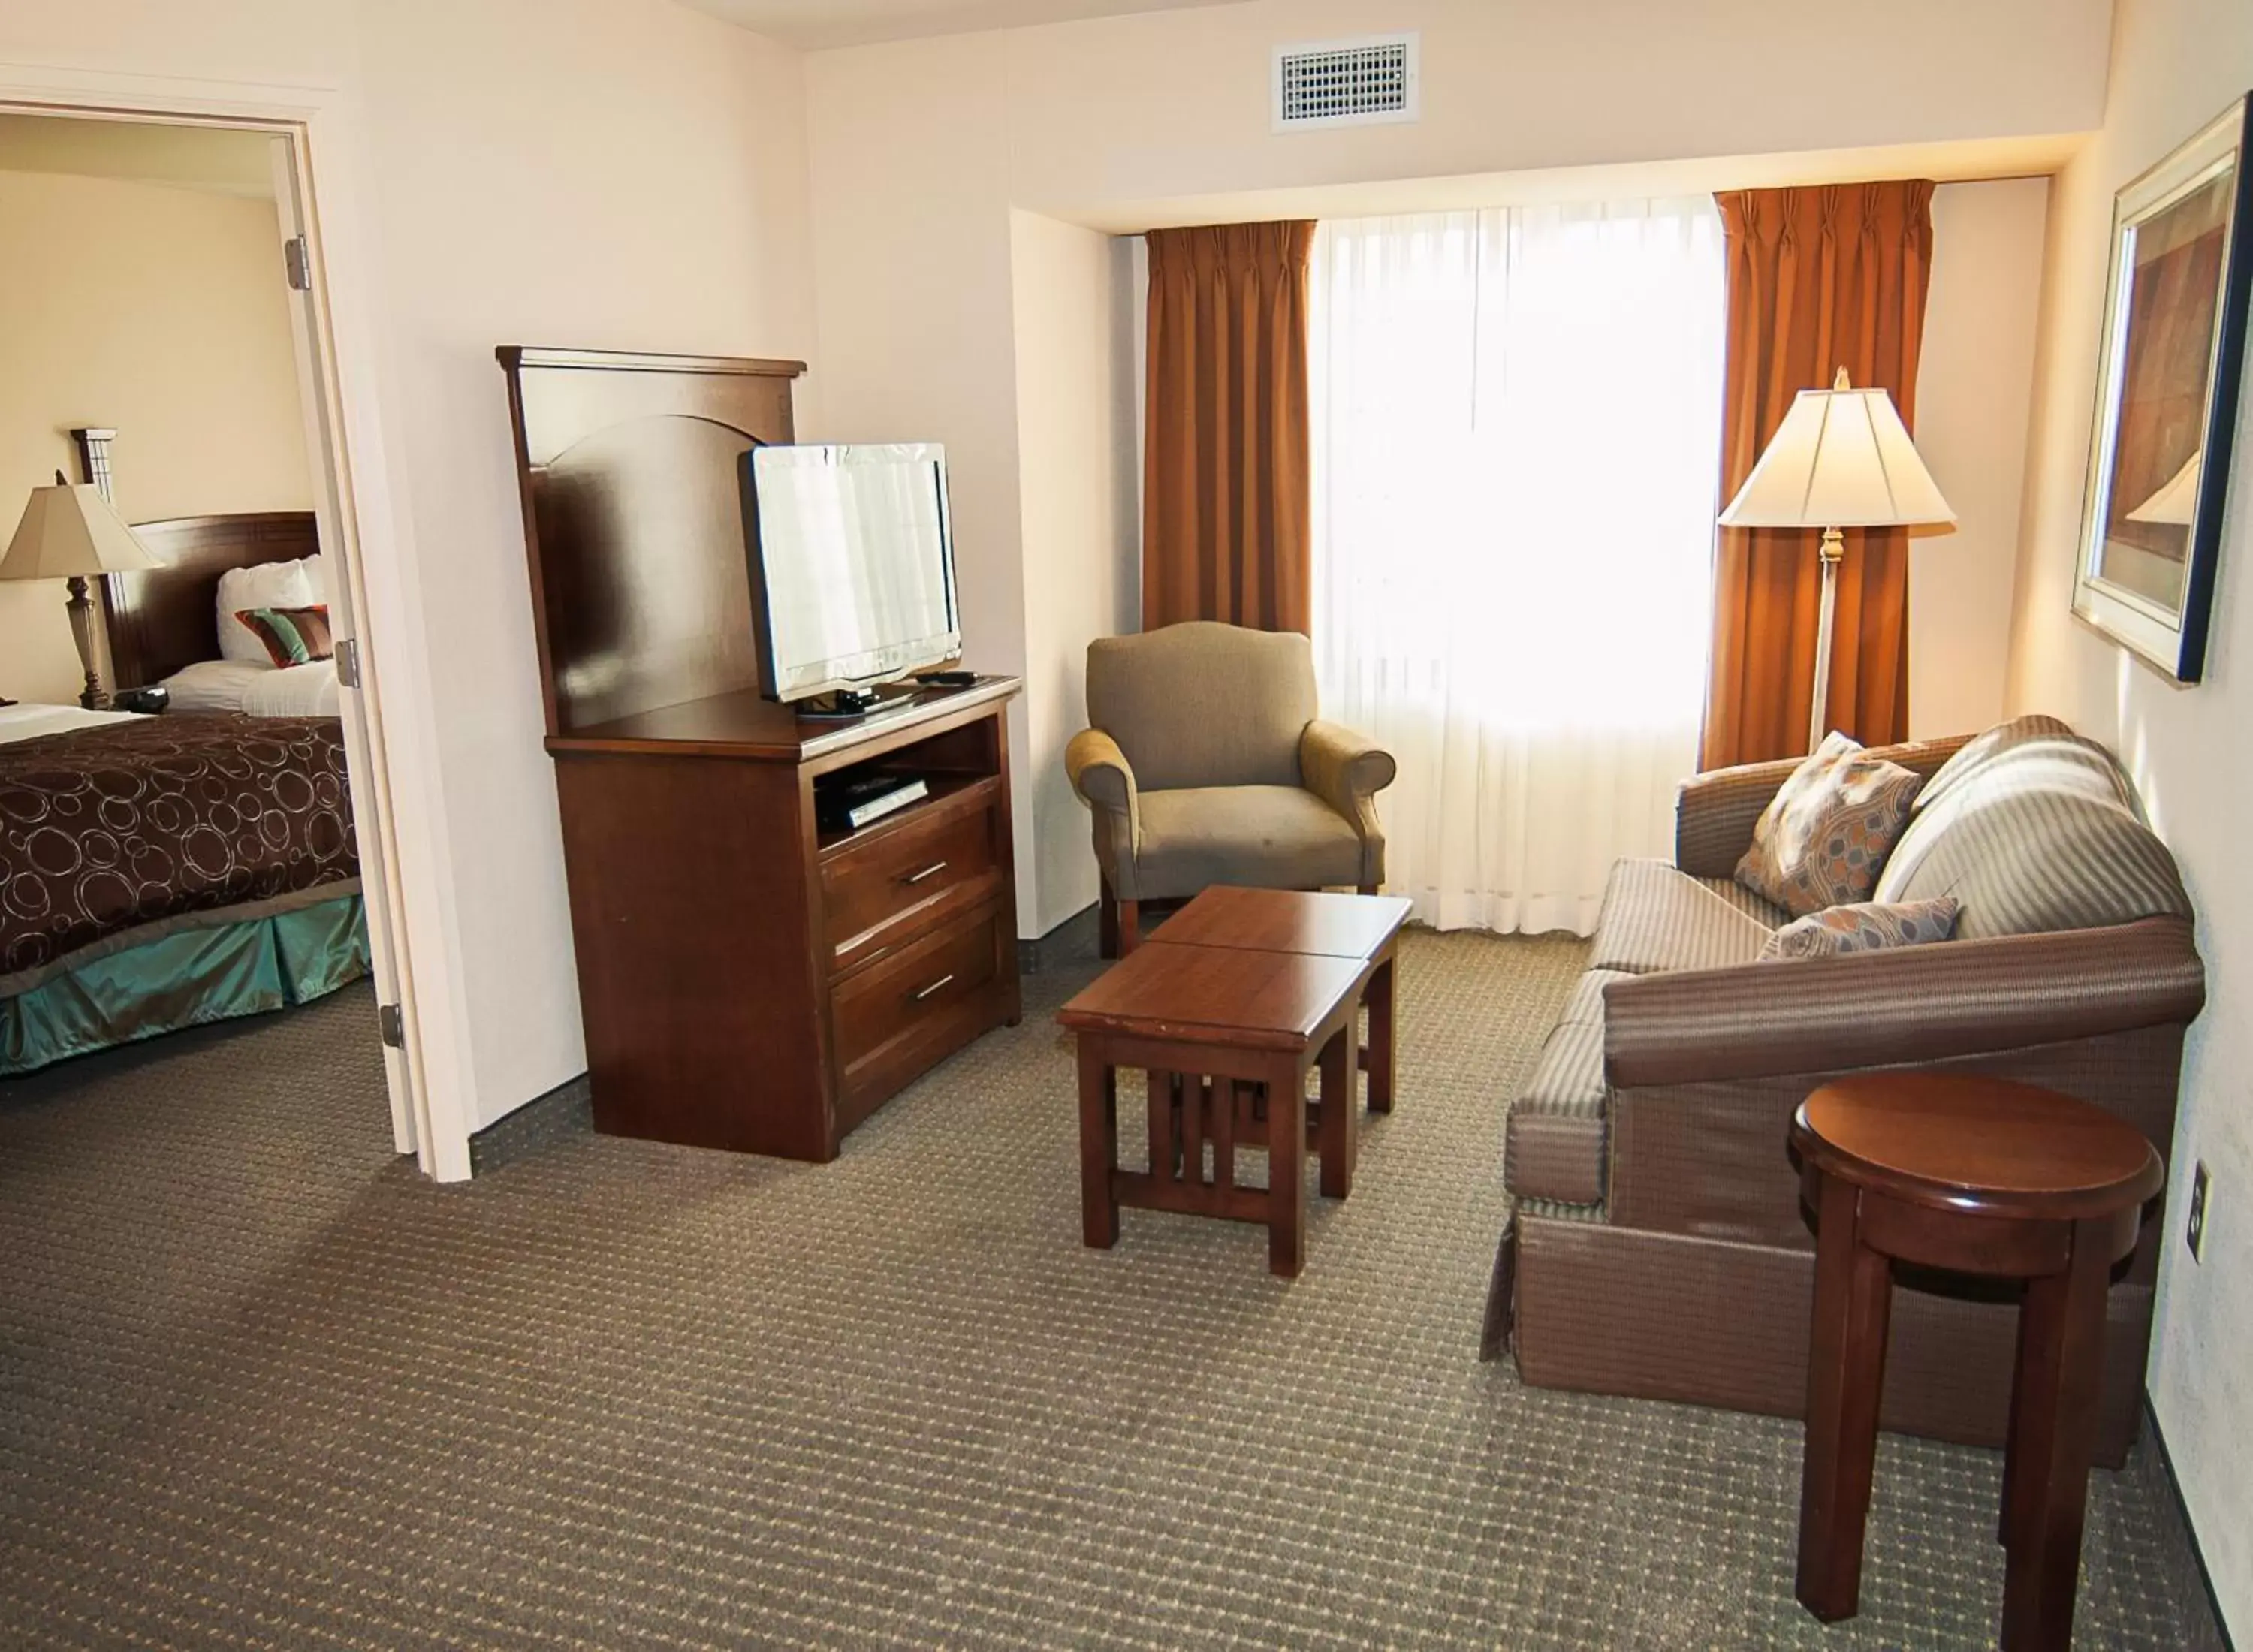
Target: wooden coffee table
{"points": [[1248, 988]]}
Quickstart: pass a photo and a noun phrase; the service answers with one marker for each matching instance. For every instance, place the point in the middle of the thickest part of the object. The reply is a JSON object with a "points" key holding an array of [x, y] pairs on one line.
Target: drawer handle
{"points": [[922, 992], [931, 871]]}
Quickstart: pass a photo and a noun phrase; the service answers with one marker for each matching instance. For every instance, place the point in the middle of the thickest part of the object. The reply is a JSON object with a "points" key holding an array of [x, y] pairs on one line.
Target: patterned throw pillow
{"points": [[1824, 838], [292, 636], [1867, 926]]}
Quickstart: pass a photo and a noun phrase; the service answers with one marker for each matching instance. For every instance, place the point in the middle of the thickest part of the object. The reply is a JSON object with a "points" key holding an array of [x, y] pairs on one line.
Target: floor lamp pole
{"points": [[1833, 552]]}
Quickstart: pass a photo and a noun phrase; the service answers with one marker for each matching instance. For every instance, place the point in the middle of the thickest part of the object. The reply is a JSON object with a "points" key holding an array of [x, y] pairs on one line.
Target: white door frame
{"points": [[365, 526]]}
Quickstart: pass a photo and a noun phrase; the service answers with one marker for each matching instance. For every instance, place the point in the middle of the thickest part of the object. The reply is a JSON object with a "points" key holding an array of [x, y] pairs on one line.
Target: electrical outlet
{"points": [[2196, 1232]]}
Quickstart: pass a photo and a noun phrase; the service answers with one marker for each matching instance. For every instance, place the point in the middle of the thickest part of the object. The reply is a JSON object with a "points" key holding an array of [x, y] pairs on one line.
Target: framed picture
{"points": [[2167, 399]]}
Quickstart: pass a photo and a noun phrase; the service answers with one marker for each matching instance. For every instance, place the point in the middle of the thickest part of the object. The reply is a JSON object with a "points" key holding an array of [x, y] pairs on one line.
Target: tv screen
{"points": [[852, 564]]}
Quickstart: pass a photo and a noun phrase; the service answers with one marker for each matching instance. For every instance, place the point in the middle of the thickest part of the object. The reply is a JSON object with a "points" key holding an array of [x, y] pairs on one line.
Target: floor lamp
{"points": [[1840, 459]]}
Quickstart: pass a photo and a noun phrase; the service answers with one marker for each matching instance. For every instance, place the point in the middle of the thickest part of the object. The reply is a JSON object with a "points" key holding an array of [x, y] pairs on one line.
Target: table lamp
{"points": [[1841, 458], [68, 533], [2177, 499]]}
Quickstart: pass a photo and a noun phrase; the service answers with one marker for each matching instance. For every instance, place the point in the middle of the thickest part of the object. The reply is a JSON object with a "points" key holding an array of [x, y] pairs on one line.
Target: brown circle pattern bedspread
{"points": [[103, 830]]}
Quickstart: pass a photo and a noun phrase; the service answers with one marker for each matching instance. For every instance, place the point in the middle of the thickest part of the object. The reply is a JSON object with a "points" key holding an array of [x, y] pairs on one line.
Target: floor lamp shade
{"points": [[1841, 458], [71, 533]]}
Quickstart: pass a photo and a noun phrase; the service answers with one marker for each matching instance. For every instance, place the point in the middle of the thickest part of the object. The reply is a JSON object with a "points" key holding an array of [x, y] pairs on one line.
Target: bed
{"points": [[157, 873]]}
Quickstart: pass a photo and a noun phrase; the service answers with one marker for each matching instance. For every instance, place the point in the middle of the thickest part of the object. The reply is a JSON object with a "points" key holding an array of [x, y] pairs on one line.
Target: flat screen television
{"points": [[852, 554]]}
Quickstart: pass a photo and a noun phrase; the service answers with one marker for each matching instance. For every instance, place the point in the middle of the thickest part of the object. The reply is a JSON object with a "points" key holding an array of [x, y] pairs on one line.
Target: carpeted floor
{"points": [[260, 1386]]}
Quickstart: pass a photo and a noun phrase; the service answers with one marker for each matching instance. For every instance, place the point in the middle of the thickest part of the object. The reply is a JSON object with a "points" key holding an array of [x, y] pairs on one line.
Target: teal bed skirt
{"points": [[184, 977]]}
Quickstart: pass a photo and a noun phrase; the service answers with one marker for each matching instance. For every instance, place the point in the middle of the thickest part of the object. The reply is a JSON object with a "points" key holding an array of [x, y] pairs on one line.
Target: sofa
{"points": [[1657, 1245]]}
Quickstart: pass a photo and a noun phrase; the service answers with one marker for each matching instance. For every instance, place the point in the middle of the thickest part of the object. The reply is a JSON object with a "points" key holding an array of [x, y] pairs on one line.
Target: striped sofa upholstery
{"points": [[1657, 1245]]}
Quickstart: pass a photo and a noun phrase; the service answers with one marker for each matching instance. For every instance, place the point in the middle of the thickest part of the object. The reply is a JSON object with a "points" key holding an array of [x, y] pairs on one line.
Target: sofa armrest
{"points": [[1714, 812], [1901, 1006]]}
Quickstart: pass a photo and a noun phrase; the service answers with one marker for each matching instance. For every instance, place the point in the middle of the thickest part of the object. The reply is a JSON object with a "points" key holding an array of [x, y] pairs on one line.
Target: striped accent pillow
{"points": [[1820, 843], [2033, 829], [292, 636], [1867, 926]]}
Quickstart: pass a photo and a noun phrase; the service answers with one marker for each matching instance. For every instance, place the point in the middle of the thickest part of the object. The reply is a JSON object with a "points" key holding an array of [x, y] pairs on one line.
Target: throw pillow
{"points": [[292, 636], [1867, 926], [1825, 836]]}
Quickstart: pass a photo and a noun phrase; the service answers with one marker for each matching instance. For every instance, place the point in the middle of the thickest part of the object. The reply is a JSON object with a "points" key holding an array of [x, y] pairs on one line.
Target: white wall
{"points": [[2176, 64], [920, 149], [1075, 487], [161, 312], [1973, 380], [616, 173]]}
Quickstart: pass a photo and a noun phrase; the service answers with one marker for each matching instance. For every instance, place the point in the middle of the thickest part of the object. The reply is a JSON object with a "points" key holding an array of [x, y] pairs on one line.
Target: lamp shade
{"points": [[2177, 501], [1841, 458], [69, 530]]}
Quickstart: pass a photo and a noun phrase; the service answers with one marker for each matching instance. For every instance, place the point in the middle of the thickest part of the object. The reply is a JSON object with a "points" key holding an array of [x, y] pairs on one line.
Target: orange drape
{"points": [[1819, 278], [1225, 474]]}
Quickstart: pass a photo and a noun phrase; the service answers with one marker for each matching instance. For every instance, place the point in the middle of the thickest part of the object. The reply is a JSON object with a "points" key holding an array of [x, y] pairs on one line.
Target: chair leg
{"points": [[1107, 922], [1130, 926]]}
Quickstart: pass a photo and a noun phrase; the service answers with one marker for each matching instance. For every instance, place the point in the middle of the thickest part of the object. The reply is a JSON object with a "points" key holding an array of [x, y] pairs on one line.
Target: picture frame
{"points": [[2168, 381]]}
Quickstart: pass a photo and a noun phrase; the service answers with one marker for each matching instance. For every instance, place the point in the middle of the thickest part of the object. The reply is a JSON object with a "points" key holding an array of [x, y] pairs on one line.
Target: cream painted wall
{"points": [[2175, 65], [161, 312], [619, 173], [1971, 414], [1076, 493]]}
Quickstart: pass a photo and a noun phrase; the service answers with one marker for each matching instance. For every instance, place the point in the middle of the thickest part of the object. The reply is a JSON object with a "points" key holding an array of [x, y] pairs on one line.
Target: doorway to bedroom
{"points": [[191, 824]]}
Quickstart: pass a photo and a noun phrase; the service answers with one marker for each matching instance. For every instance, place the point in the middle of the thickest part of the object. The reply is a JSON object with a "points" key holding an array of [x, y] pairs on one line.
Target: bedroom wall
{"points": [[616, 173], [2176, 65], [160, 311]]}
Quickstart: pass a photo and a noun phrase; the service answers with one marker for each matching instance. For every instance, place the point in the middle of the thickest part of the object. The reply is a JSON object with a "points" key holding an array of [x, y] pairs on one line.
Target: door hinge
{"points": [[348, 658], [297, 259], [392, 1025]]}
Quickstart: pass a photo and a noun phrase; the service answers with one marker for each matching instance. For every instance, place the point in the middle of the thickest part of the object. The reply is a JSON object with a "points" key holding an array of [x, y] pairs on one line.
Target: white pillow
{"points": [[266, 585], [316, 575]]}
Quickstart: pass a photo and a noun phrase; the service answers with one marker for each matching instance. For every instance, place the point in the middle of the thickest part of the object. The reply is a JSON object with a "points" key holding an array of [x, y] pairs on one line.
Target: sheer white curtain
{"points": [[1516, 437]]}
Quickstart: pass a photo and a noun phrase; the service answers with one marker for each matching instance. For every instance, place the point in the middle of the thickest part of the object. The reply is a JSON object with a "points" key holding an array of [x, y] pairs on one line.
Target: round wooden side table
{"points": [[1973, 1176]]}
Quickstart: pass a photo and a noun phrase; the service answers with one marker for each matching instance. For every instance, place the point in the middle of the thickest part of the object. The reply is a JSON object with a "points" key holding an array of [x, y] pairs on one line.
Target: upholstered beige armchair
{"points": [[1207, 764]]}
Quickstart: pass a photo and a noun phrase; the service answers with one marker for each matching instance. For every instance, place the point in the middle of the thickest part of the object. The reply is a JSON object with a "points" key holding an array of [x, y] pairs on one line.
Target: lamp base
{"points": [[81, 624]]}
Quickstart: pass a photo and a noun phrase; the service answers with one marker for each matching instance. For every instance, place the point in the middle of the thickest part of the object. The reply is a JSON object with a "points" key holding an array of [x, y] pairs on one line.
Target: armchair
{"points": [[1207, 764]]}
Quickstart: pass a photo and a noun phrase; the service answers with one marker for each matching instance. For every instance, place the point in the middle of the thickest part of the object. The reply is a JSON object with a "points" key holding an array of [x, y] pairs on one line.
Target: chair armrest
{"points": [[1901, 1006], [1714, 812], [1101, 775], [1342, 768]]}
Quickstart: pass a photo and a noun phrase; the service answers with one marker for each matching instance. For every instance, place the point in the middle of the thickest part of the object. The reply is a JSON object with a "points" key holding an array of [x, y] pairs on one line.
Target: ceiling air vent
{"points": [[1359, 82]]}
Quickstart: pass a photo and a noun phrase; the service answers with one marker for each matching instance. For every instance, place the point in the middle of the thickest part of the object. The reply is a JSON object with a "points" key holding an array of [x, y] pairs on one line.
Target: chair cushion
{"points": [[1202, 704], [1655, 918], [1556, 1140], [1266, 836], [2033, 829], [1820, 843]]}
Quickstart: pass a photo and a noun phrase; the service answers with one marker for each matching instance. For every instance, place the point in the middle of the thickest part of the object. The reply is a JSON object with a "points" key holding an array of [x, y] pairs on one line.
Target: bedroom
{"points": [[147, 325]]}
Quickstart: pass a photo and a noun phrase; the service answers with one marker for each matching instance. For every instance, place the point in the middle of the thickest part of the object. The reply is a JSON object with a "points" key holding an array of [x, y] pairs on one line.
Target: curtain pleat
{"points": [[1224, 489], [1819, 278]]}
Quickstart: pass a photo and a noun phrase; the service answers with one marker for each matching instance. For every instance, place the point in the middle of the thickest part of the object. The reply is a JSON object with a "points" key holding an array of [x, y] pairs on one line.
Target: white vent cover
{"points": [[1359, 82]]}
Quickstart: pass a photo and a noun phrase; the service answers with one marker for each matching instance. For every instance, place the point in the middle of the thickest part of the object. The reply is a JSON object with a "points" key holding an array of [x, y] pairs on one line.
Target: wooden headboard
{"points": [[634, 521], [166, 618]]}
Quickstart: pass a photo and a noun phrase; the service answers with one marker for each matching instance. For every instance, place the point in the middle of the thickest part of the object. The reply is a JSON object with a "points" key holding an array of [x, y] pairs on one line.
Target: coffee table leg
{"points": [[1286, 1169], [1341, 1118], [1379, 1000], [1164, 1097], [1099, 1147], [1845, 1373]]}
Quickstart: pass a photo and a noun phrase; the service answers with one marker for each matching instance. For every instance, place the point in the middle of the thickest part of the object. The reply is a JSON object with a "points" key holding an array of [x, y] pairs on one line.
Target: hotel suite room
{"points": [[537, 1378]]}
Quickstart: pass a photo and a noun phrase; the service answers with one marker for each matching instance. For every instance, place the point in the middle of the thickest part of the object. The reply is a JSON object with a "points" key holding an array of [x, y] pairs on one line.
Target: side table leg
{"points": [[1286, 1169], [1099, 1147], [2054, 1434], [1341, 1117], [1846, 1373], [1380, 1001]]}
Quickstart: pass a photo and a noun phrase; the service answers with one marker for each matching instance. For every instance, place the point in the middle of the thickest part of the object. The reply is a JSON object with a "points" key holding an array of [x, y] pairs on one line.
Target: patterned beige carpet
{"points": [[260, 1386]]}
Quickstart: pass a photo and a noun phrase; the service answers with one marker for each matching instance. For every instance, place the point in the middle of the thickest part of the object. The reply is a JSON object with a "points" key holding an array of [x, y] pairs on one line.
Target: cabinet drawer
{"points": [[899, 876], [898, 1016]]}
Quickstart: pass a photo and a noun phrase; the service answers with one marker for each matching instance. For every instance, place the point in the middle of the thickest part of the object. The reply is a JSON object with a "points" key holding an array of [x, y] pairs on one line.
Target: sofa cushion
{"points": [[1555, 1145], [1269, 837], [2031, 829], [1753, 905], [1867, 926], [1655, 918], [1821, 840]]}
